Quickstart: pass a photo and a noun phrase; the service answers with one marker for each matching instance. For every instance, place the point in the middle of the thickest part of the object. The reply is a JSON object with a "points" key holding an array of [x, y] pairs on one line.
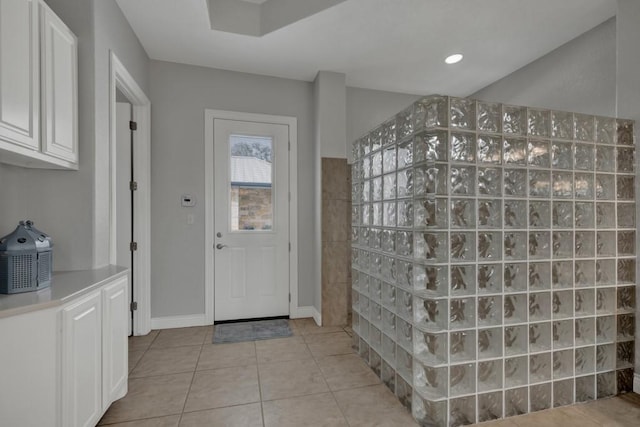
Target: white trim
{"points": [[302, 312], [121, 79], [636, 383], [292, 122], [170, 322], [317, 316]]}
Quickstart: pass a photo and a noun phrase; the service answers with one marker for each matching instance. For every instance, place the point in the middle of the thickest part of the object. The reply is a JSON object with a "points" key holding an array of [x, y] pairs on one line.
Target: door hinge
{"points": [[133, 306], [133, 125], [133, 246], [133, 185]]}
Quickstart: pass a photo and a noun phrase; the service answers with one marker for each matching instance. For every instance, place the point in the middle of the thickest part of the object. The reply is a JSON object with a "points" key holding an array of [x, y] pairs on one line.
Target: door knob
{"points": [[220, 246]]}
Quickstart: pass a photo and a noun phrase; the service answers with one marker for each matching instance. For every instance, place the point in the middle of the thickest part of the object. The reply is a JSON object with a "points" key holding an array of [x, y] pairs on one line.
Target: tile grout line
{"points": [[193, 377], [255, 348]]}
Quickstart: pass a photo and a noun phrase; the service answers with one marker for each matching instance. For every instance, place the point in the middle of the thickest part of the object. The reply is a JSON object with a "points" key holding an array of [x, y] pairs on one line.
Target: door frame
{"points": [[120, 78], [209, 274]]}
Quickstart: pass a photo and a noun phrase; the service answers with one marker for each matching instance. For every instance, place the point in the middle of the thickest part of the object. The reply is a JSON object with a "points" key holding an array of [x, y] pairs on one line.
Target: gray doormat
{"points": [[251, 331]]}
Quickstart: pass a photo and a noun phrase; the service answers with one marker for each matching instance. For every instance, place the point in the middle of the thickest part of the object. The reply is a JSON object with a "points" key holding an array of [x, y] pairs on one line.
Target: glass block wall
{"points": [[494, 258]]}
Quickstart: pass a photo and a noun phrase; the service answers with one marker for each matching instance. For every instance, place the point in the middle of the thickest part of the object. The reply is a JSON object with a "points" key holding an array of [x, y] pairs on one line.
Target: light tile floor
{"points": [[178, 378]]}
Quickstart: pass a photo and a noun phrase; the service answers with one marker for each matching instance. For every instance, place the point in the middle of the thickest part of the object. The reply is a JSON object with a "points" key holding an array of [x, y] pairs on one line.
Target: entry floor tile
{"points": [[181, 337], [170, 421], [314, 410], [218, 388], [163, 361], [214, 356], [290, 379], [373, 406], [232, 416]]}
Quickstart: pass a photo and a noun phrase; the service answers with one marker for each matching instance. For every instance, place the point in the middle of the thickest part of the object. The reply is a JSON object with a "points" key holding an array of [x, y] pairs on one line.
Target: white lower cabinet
{"points": [[115, 329]]}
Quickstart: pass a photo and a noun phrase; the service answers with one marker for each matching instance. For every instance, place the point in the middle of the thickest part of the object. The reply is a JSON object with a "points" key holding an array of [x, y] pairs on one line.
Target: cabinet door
{"points": [[59, 48], [19, 74], [82, 362], [115, 362]]}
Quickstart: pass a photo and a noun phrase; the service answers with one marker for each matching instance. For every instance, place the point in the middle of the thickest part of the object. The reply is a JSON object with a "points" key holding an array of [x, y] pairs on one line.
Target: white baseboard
{"points": [[302, 312], [317, 316], [636, 383], [169, 322]]}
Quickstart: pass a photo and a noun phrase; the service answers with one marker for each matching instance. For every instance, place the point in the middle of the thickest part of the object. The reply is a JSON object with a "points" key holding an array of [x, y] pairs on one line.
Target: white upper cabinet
{"points": [[59, 48], [19, 74], [38, 87]]}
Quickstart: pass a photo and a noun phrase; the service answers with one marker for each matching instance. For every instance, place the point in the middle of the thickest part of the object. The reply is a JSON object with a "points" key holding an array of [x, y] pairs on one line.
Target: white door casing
{"points": [[251, 265], [211, 203]]}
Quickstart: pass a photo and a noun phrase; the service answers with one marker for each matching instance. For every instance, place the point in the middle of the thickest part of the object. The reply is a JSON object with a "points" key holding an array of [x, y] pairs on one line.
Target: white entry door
{"points": [[251, 219]]}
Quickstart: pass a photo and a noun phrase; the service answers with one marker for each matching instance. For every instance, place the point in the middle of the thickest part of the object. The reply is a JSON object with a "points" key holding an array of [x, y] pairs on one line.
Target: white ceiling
{"points": [[395, 45]]}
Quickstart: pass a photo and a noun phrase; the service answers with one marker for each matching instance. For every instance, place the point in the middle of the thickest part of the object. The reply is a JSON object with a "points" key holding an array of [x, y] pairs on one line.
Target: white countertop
{"points": [[65, 286]]}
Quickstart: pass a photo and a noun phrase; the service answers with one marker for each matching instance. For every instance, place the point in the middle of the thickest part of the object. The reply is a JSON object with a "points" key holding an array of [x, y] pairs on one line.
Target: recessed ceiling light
{"points": [[453, 59]]}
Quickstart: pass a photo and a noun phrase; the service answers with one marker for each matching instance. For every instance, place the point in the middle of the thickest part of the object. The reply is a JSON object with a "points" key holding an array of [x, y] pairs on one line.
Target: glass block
{"points": [[539, 276], [605, 159], [375, 238], [584, 244], [584, 273], [375, 138], [562, 274], [539, 183], [516, 401], [562, 393], [515, 151], [584, 214], [489, 311], [376, 164], [539, 245], [364, 308], [388, 322], [462, 346], [562, 334], [431, 246], [404, 180], [406, 213], [375, 317], [538, 153], [429, 381], [376, 214], [515, 277], [584, 127], [430, 348], [489, 406], [376, 189], [606, 130], [515, 214], [562, 125], [583, 186], [462, 313], [490, 375], [489, 213], [626, 271], [375, 342], [515, 182], [462, 113], [585, 360], [462, 379], [429, 413], [430, 213], [462, 411], [515, 245], [539, 337], [463, 279], [539, 306], [489, 117], [463, 147], [490, 343], [490, 181], [489, 149], [404, 392], [462, 246], [625, 132], [562, 215], [430, 111], [626, 326], [626, 215], [539, 122], [516, 371], [389, 186], [430, 180], [431, 146], [605, 357], [625, 187], [626, 299], [489, 278], [436, 280], [363, 350], [562, 155], [431, 314], [514, 119], [624, 380], [562, 304], [539, 214], [389, 132], [389, 159], [605, 187], [463, 213], [405, 275], [489, 246], [540, 367], [388, 296], [562, 184], [388, 268], [404, 335], [388, 376], [388, 241], [626, 243], [389, 214], [463, 180], [585, 157], [605, 215], [515, 308], [562, 244], [515, 340], [605, 301], [585, 388], [605, 329], [405, 154], [404, 365], [606, 384], [404, 123]]}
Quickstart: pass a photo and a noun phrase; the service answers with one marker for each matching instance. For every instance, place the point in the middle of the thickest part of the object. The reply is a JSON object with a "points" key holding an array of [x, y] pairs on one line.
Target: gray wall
{"points": [[579, 76], [179, 96]]}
